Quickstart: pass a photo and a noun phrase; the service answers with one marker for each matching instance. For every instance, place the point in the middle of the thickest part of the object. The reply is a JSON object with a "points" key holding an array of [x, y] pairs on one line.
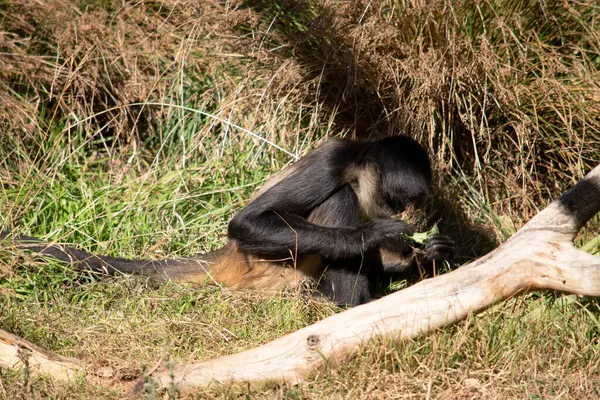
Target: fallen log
{"points": [[541, 255]]}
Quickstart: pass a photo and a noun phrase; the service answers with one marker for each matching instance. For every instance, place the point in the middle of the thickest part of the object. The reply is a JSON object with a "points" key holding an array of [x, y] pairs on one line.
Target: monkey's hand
{"points": [[398, 256], [438, 247], [381, 231]]}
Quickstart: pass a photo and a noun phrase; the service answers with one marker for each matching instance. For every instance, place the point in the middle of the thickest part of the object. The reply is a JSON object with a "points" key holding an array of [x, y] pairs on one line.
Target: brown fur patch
{"points": [[365, 182], [237, 270]]}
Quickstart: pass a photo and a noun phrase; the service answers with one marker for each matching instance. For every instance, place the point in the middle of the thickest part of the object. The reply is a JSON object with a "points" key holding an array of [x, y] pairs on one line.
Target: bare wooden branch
{"points": [[541, 255], [17, 353]]}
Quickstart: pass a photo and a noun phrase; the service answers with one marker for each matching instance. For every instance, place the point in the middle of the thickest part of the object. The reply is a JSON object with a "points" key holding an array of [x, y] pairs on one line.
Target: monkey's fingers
{"points": [[439, 247]]}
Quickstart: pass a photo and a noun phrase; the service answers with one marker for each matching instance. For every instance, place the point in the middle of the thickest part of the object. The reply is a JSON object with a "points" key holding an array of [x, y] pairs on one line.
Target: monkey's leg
{"points": [[347, 282]]}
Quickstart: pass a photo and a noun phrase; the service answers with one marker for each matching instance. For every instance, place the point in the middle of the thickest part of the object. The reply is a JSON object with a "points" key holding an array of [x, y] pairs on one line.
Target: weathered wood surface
{"points": [[17, 353]]}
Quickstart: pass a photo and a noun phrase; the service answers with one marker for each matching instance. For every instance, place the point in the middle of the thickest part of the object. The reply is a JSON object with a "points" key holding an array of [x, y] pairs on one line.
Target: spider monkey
{"points": [[326, 218]]}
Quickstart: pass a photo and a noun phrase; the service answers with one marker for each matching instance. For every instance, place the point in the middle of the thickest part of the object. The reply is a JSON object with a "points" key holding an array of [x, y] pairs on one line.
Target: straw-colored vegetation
{"points": [[132, 129]]}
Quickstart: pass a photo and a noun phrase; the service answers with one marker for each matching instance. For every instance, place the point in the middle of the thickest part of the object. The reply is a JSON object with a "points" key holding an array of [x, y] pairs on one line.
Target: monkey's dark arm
{"points": [[284, 234], [275, 223]]}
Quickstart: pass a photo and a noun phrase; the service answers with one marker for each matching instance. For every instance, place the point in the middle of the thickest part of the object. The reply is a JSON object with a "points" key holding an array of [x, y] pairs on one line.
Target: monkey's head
{"points": [[405, 172]]}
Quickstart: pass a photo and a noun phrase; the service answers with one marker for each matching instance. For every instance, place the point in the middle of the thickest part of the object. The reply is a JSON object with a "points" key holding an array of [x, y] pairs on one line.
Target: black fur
{"points": [[347, 281], [275, 224], [405, 171]]}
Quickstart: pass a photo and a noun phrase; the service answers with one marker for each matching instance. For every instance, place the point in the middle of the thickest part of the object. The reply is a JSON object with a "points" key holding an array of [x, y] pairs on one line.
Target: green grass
{"points": [[539, 345], [158, 209]]}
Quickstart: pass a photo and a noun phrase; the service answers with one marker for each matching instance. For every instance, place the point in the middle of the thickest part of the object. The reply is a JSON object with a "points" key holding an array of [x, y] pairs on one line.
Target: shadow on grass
{"points": [[311, 38]]}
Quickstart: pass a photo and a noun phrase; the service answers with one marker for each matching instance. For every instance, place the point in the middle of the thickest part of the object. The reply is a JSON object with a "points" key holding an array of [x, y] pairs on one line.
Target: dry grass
{"points": [[129, 129], [480, 83]]}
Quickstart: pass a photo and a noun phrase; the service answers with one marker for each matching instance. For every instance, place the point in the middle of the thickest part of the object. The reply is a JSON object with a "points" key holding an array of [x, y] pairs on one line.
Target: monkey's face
{"points": [[402, 209], [402, 189]]}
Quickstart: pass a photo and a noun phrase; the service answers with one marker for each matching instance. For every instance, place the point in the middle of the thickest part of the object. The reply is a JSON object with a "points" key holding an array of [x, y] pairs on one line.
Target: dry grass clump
{"points": [[505, 91], [97, 66], [85, 60]]}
